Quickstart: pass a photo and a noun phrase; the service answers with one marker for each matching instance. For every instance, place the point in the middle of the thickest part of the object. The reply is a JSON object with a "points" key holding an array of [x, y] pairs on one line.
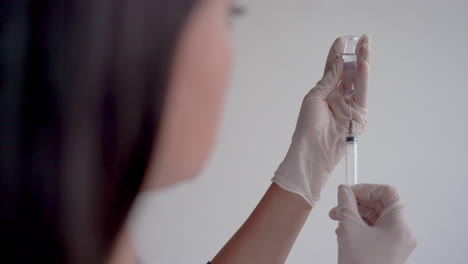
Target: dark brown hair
{"points": [[82, 87]]}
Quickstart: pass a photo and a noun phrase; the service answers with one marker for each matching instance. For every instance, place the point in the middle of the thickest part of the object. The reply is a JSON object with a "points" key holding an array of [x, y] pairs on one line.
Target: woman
{"points": [[101, 100]]}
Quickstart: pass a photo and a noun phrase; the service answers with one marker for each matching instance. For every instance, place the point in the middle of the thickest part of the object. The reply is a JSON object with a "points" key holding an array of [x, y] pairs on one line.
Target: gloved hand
{"points": [[372, 227], [318, 141]]}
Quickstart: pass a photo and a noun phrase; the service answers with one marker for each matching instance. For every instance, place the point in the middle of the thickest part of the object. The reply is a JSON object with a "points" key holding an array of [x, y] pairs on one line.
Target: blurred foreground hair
{"points": [[82, 88]]}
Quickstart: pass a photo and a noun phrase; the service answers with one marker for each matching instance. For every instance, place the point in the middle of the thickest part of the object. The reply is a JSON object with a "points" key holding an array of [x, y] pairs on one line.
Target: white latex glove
{"points": [[318, 141], [372, 227]]}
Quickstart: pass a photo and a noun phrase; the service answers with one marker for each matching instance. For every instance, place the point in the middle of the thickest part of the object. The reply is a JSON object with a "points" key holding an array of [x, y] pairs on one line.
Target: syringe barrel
{"points": [[351, 161]]}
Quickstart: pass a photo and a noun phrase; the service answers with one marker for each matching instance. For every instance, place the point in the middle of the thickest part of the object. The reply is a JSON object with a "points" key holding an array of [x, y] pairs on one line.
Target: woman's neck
{"points": [[123, 251]]}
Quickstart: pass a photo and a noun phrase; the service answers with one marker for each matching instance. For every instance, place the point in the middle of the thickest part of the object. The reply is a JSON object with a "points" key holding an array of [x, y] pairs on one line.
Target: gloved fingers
{"points": [[347, 204], [328, 83], [365, 41], [332, 214], [363, 50], [385, 194], [339, 107], [361, 82], [392, 211], [376, 206], [360, 116], [361, 111], [335, 52], [368, 214]]}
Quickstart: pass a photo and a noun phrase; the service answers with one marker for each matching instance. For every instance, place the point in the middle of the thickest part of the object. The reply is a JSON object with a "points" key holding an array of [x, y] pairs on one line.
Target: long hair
{"points": [[82, 89]]}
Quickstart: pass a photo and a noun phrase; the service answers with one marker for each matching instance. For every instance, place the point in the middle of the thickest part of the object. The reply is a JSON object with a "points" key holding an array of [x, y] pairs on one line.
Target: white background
{"points": [[416, 137]]}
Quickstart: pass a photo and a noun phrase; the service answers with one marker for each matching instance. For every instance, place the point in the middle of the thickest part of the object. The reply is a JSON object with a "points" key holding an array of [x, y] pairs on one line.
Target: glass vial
{"points": [[349, 66]]}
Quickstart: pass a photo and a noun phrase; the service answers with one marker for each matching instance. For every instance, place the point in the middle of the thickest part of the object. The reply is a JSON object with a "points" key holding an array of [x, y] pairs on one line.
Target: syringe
{"points": [[351, 155], [348, 91]]}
